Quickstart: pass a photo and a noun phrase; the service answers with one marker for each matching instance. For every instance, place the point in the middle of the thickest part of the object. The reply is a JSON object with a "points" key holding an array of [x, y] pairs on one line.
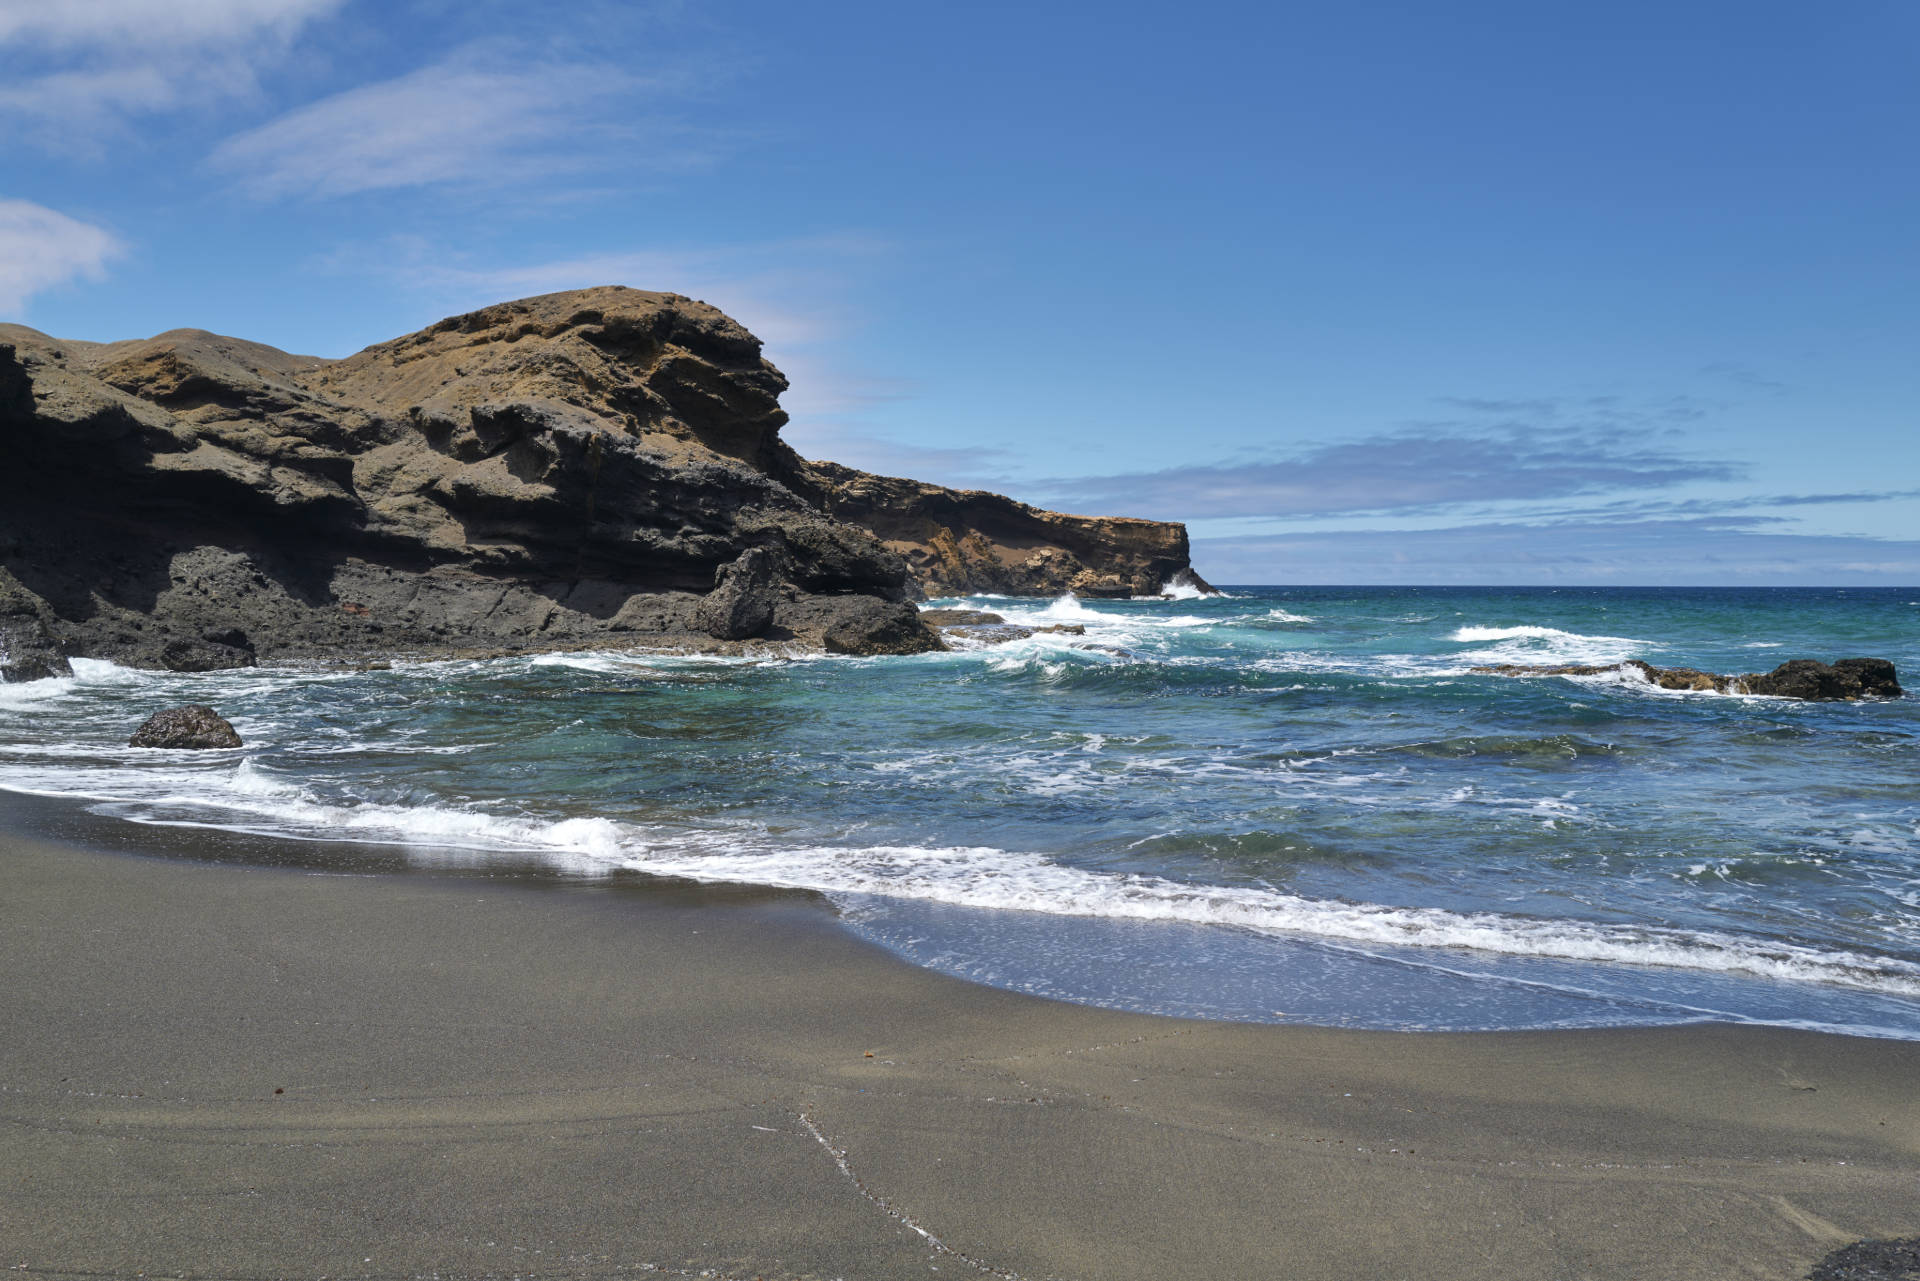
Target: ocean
{"points": [[1277, 804]]}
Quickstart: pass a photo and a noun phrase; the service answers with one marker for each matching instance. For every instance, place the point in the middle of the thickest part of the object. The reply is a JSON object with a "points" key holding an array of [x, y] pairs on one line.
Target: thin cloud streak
{"points": [[1708, 552], [41, 248], [486, 117], [1406, 472]]}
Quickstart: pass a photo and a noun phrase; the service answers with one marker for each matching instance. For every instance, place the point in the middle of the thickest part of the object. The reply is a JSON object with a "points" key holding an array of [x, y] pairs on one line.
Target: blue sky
{"points": [[1477, 292]]}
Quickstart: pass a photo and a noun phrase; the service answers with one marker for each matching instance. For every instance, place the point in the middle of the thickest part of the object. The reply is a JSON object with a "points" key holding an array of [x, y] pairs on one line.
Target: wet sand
{"points": [[224, 1069]]}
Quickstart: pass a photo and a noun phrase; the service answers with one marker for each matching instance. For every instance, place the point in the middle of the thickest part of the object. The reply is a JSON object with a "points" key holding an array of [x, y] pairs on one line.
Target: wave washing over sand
{"points": [[1236, 778]]}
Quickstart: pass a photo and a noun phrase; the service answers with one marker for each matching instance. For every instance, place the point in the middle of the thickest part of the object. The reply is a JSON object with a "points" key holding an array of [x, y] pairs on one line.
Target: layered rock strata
{"points": [[1804, 678], [967, 540], [592, 467]]}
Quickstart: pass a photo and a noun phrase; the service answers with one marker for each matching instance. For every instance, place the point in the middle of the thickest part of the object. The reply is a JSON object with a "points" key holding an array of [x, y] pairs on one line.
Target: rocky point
{"points": [[602, 466]]}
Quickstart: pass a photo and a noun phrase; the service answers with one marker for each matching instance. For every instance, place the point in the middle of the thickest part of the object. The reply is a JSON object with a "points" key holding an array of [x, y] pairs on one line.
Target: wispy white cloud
{"points": [[72, 69], [1422, 470], [485, 117], [41, 248]]}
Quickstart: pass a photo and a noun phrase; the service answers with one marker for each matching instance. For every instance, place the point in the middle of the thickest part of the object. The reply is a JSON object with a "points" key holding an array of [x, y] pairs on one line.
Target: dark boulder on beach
{"points": [[547, 473], [1802, 678], [1888, 1260], [195, 726]]}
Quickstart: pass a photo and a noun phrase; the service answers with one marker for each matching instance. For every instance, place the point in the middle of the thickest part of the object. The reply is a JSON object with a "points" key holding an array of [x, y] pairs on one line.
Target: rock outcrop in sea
{"points": [[195, 727], [601, 466], [1804, 678]]}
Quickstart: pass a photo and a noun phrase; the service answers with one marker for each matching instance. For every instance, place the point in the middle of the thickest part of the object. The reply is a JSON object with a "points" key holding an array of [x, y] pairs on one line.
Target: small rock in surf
{"points": [[194, 727]]}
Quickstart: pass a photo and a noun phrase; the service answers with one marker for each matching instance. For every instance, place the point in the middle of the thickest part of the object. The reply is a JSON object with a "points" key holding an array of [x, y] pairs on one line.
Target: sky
{"points": [[1364, 293]]}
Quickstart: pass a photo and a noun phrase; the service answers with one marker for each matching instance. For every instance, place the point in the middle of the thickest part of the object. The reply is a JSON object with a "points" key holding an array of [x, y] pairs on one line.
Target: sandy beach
{"points": [[218, 1067]]}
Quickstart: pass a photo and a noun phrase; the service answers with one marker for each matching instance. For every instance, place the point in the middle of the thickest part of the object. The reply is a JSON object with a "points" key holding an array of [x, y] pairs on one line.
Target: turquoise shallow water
{"points": [[1277, 804]]}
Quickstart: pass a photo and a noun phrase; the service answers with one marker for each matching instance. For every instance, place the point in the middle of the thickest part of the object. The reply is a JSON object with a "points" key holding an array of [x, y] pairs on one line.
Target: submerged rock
{"points": [[959, 618], [195, 726], [982, 627], [1802, 678]]}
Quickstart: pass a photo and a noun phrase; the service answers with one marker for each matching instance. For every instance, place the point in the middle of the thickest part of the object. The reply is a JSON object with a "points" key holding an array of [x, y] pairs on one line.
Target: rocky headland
{"points": [[968, 540], [597, 467]]}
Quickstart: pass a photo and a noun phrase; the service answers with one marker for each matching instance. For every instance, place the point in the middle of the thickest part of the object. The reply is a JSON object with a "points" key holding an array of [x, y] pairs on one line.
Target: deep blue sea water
{"points": [[1288, 804]]}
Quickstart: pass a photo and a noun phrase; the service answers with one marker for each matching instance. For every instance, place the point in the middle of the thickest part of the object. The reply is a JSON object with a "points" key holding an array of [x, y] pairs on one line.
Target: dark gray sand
{"points": [[222, 1070]]}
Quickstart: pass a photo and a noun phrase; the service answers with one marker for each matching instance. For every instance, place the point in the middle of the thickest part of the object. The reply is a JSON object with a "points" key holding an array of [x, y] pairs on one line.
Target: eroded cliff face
{"points": [[568, 469]]}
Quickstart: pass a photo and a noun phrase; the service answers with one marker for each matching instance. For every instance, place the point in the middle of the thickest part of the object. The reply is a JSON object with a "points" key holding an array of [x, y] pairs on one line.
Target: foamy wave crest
{"points": [[282, 807], [1282, 616], [1471, 634], [1071, 609], [1532, 644], [989, 878]]}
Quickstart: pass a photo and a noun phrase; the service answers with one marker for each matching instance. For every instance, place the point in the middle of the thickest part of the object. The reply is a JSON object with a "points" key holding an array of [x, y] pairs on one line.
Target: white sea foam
{"points": [[1283, 616], [998, 879], [1470, 634], [32, 693], [1544, 645], [255, 799]]}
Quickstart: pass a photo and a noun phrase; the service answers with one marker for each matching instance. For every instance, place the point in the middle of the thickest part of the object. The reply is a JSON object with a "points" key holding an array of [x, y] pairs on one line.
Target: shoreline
{"points": [[217, 1065]]}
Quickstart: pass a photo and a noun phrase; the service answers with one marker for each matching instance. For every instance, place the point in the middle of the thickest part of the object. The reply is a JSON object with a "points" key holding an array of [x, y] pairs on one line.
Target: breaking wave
{"points": [[255, 800]]}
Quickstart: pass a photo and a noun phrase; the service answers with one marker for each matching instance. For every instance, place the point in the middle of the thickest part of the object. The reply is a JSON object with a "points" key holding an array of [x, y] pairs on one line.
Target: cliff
{"points": [[967, 540], [571, 469]]}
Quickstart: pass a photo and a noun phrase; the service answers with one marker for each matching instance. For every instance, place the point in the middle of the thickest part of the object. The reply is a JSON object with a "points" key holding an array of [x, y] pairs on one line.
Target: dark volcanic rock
{"points": [[862, 625], [549, 472], [203, 656], [193, 726], [1847, 679], [960, 541], [1850, 678], [959, 617], [28, 650], [1892, 1260], [744, 594]]}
